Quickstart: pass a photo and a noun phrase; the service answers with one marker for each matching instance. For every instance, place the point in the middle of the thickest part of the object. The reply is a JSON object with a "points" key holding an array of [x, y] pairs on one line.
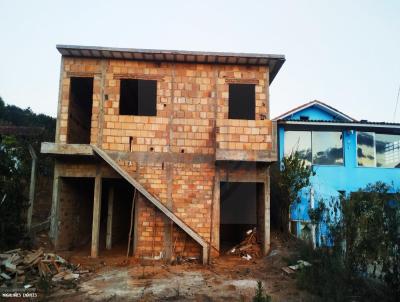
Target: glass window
{"points": [[387, 150], [298, 141], [327, 148], [365, 149]]}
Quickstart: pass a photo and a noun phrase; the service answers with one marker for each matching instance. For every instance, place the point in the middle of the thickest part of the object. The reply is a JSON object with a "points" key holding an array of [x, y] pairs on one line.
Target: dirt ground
{"points": [[228, 278]]}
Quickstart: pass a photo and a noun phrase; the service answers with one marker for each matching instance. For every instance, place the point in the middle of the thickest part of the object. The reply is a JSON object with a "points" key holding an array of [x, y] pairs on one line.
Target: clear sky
{"points": [[345, 53]]}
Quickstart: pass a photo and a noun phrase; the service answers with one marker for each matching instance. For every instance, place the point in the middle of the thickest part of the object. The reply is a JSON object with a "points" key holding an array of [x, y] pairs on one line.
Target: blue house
{"points": [[345, 154]]}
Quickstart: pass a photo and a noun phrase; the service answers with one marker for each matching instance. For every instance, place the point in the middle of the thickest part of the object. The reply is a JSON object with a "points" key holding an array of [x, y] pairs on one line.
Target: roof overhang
{"points": [[325, 125], [274, 62], [325, 107]]}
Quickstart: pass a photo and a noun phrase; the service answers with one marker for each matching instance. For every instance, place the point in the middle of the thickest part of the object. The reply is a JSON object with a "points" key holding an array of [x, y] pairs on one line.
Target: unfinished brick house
{"points": [[169, 148]]}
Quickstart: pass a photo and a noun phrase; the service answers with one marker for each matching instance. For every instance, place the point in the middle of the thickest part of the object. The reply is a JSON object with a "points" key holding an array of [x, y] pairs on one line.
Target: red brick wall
{"points": [[192, 100]]}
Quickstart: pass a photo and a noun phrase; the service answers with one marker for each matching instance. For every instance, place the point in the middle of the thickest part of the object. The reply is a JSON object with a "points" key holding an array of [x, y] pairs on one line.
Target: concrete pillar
{"points": [[267, 214], [110, 209], [96, 215], [216, 210], [55, 206], [168, 224]]}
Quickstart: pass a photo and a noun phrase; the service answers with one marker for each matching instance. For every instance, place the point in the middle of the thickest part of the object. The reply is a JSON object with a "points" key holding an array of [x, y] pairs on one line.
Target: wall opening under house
{"points": [[241, 209], [121, 215], [75, 212], [76, 215], [80, 110]]}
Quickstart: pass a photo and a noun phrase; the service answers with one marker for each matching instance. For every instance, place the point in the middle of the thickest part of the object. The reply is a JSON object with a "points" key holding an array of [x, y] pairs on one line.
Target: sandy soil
{"points": [[228, 278]]}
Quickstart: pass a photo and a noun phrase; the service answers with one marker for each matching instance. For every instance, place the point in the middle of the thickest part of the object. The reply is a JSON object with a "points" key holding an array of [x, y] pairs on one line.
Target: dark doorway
{"points": [[76, 212], [80, 110], [121, 214], [76, 215], [239, 211]]}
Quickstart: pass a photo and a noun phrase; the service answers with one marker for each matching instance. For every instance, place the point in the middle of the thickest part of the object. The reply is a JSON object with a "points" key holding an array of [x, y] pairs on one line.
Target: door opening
{"points": [[80, 110], [240, 211]]}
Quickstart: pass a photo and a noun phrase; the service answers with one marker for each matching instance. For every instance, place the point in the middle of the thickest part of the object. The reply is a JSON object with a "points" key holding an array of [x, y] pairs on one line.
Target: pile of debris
{"points": [[23, 268], [248, 248]]}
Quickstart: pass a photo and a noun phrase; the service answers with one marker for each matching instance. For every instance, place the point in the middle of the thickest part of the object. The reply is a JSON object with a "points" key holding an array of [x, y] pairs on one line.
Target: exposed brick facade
{"points": [[173, 154]]}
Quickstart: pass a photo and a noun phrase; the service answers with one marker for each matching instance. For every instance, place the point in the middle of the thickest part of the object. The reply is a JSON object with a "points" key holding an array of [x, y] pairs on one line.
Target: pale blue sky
{"points": [[345, 53]]}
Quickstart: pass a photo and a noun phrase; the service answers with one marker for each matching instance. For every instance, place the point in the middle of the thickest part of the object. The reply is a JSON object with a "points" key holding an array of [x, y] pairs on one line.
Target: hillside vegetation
{"points": [[15, 168]]}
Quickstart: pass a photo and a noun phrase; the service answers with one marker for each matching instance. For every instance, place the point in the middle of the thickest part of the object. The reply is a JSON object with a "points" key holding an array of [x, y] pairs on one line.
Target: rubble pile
{"points": [[248, 248], [25, 268]]}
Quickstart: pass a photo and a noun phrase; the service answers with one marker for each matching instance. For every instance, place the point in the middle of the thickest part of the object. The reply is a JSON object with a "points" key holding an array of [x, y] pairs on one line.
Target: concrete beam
{"points": [[159, 157], [66, 149], [246, 155]]}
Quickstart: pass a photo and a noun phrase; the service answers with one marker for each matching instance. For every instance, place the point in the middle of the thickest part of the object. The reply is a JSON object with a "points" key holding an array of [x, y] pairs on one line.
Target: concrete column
{"points": [[168, 224], [96, 215], [216, 210], [110, 217], [55, 206], [267, 213]]}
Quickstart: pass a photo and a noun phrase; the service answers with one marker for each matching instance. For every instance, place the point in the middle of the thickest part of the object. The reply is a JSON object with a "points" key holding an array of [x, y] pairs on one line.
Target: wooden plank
{"points": [[29, 259], [96, 216], [135, 225], [5, 276], [110, 210], [9, 266], [152, 199], [131, 225], [287, 270]]}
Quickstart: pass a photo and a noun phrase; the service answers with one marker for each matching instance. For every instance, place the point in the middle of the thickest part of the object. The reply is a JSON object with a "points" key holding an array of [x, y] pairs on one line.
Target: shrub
{"points": [[260, 296], [362, 263]]}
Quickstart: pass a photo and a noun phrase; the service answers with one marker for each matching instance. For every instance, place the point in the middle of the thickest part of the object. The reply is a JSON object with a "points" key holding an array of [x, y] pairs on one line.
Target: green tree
{"points": [[15, 165], [12, 188], [286, 183]]}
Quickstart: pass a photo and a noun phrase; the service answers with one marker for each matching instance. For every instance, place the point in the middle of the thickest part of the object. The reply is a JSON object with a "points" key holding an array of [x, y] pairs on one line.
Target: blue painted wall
{"points": [[313, 113], [329, 180]]}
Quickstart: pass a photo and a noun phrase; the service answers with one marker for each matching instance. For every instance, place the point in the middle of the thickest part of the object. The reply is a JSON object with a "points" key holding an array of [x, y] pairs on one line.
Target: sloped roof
{"points": [[273, 61], [325, 107]]}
